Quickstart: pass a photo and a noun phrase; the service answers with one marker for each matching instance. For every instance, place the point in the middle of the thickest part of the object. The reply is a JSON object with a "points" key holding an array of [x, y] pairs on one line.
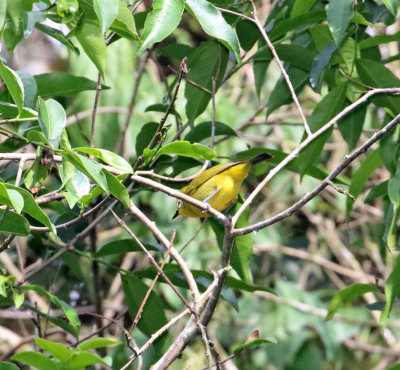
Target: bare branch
{"points": [[175, 255], [310, 139], [260, 27], [342, 165], [96, 101]]}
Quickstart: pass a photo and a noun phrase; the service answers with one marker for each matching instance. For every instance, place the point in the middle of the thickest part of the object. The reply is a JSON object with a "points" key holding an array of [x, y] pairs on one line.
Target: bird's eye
{"points": [[179, 203]]}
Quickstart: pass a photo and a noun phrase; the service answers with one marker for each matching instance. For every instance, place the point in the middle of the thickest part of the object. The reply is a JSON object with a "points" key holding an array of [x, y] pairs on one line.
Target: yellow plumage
{"points": [[218, 186]]}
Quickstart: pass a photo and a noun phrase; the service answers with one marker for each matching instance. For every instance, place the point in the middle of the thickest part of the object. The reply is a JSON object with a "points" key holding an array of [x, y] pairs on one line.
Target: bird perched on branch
{"points": [[218, 186]]}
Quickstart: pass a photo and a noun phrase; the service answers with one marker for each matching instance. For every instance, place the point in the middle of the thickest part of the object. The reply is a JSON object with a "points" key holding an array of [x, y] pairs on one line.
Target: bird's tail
{"points": [[259, 158]]}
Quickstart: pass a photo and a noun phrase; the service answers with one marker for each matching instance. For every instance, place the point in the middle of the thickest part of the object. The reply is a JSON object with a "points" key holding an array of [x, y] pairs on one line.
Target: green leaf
{"points": [[37, 174], [377, 191], [91, 169], [108, 157], [394, 187], [260, 71], [124, 23], [375, 74], [30, 89], [117, 189], [281, 94], [162, 108], [18, 299], [59, 36], [388, 146], [14, 30], [52, 119], [3, 10], [35, 359], [378, 40], [203, 131], [77, 186], [339, 14], [392, 291], [16, 200], [243, 248], [84, 359], [13, 223], [97, 343], [392, 5], [69, 312], [91, 38], [351, 125], [348, 294], [368, 166], [99, 175], [124, 246], [186, 149], [3, 287], [321, 36], [255, 342], [214, 24], [247, 33], [207, 62], [3, 364], [292, 54], [106, 11], [153, 316], [63, 84], [286, 25], [301, 7], [319, 64], [161, 21], [58, 350], [36, 136], [14, 85], [30, 205], [144, 137], [67, 8], [327, 108], [8, 110], [177, 51], [73, 330]]}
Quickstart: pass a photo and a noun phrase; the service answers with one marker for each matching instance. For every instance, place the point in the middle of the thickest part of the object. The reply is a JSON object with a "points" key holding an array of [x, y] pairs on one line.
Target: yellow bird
{"points": [[218, 186]]}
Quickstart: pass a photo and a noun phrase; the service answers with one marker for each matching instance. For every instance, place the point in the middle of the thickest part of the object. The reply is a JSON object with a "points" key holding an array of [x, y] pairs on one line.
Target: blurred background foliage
{"points": [[333, 52]]}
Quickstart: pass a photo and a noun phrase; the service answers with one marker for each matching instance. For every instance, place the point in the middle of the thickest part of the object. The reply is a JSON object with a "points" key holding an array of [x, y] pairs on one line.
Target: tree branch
{"points": [[306, 142]]}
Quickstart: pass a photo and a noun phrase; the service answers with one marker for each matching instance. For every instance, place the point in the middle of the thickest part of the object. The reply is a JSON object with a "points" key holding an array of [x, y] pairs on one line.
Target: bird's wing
{"points": [[205, 176]]}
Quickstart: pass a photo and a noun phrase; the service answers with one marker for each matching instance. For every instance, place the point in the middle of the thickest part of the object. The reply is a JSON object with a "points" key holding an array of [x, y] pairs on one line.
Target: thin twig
{"points": [[175, 255], [19, 173], [96, 101], [7, 242], [213, 112], [76, 117], [182, 72], [121, 146], [140, 310], [152, 260], [307, 141], [302, 254], [342, 165], [260, 27], [203, 299], [96, 332], [281, 67]]}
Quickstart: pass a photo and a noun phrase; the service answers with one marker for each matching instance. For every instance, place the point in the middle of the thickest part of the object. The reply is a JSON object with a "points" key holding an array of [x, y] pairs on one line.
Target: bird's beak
{"points": [[176, 214]]}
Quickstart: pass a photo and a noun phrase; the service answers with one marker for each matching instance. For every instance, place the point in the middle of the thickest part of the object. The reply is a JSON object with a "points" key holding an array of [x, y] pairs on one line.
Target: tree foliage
{"points": [[146, 95]]}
